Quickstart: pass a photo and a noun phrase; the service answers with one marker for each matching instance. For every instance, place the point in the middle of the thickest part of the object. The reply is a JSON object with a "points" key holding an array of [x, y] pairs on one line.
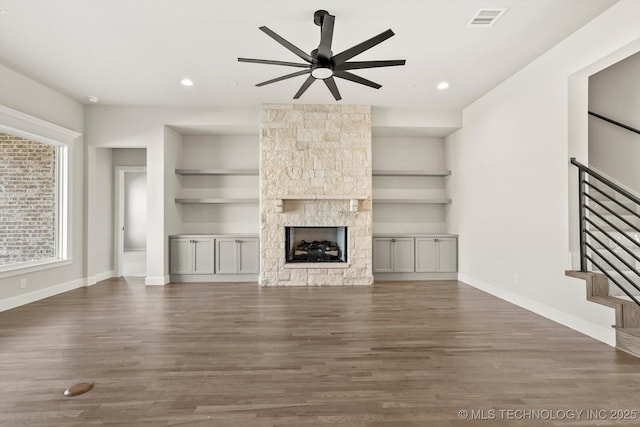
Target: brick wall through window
{"points": [[27, 200]]}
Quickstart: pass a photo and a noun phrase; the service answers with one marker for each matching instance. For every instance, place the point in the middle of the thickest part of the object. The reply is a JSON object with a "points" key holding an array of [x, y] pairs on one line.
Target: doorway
{"points": [[130, 221]]}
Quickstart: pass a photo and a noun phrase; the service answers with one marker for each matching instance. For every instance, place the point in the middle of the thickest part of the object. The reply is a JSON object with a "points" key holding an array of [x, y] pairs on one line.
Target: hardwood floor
{"points": [[394, 354]]}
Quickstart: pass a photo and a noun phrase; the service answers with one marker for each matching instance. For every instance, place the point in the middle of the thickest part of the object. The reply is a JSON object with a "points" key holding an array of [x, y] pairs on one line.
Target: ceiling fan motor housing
{"points": [[318, 17]]}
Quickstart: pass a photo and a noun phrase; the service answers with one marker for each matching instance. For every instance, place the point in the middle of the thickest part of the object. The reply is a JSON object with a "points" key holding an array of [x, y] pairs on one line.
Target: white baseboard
{"points": [[100, 277], [156, 280], [17, 301], [606, 335]]}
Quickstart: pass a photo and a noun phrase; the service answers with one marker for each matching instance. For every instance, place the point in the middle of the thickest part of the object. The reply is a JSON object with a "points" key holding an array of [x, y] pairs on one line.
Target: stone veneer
{"points": [[314, 160], [28, 200]]}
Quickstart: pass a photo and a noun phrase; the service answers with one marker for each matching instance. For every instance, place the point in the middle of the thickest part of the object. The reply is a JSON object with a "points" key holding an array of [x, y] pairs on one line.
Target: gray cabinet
{"points": [[237, 255], [436, 254], [191, 255], [393, 255]]}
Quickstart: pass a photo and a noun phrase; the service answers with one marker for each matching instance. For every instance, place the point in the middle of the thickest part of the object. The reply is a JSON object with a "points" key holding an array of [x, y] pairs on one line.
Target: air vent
{"points": [[486, 17]]}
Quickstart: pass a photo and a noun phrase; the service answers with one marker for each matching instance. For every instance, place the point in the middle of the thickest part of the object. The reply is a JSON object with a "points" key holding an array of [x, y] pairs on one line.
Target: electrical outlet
{"points": [[23, 283], [516, 277]]}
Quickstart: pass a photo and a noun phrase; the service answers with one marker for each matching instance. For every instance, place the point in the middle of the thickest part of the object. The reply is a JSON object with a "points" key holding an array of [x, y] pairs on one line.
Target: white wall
{"points": [[510, 187], [615, 93], [27, 96], [172, 214], [103, 266], [129, 157]]}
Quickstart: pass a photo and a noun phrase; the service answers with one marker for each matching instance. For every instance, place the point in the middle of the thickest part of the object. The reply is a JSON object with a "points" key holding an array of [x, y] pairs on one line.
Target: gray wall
{"points": [[30, 97], [615, 93]]}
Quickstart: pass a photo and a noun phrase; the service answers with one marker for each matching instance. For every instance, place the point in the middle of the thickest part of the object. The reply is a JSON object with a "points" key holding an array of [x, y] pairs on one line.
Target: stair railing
{"points": [[594, 189], [614, 122]]}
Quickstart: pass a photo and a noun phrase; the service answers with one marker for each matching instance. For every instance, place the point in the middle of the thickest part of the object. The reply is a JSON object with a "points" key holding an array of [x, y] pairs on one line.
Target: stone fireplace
{"points": [[315, 173]]}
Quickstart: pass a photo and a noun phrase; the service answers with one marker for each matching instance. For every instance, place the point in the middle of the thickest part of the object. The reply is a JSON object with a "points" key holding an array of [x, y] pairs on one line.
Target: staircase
{"points": [[627, 324], [620, 254], [610, 251]]}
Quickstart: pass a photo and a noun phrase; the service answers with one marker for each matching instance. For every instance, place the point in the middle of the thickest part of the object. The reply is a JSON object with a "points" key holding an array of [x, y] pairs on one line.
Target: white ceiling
{"points": [[134, 52]]}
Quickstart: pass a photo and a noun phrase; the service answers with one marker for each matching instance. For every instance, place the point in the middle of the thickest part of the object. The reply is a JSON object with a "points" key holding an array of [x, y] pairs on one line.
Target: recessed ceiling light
{"points": [[186, 82], [443, 85], [93, 99]]}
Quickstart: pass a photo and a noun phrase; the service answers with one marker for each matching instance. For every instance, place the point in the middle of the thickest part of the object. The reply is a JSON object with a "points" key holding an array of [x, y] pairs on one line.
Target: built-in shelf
{"points": [[217, 201], [381, 172], [414, 201], [322, 197], [217, 171]]}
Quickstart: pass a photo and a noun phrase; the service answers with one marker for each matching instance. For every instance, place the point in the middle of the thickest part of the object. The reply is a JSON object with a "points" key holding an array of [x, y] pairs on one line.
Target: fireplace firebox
{"points": [[316, 244]]}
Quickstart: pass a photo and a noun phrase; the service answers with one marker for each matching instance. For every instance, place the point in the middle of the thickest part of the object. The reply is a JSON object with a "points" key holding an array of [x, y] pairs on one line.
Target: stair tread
{"points": [[609, 301]]}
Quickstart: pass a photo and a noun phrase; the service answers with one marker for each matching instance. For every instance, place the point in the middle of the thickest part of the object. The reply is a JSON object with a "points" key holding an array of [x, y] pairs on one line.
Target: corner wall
{"points": [[615, 93], [30, 97], [510, 185]]}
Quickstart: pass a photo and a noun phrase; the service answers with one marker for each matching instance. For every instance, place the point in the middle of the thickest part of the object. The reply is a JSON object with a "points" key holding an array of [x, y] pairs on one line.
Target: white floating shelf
{"points": [[217, 171], [415, 201], [381, 172], [217, 201], [322, 197]]}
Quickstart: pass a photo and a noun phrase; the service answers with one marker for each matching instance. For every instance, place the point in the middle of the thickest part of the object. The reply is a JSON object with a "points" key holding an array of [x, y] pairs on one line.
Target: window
{"points": [[29, 214], [34, 187]]}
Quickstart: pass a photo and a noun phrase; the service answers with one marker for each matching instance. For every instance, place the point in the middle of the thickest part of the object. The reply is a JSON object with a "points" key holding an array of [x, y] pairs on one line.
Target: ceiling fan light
{"points": [[321, 73]]}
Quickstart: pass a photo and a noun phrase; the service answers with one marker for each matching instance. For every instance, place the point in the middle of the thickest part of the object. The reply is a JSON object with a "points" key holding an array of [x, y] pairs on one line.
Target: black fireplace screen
{"points": [[316, 244]]}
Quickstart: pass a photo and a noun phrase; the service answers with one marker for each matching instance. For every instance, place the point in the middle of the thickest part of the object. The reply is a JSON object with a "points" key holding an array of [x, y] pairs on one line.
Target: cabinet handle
{"points": [[238, 241], [393, 240], [436, 240]]}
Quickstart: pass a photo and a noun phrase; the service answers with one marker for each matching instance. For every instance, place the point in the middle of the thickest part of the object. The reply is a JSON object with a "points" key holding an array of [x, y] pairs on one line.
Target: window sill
{"points": [[31, 267]]}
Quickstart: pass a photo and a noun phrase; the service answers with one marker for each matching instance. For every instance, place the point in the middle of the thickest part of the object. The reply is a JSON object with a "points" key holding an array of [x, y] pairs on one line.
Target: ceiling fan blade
{"points": [[326, 36], [357, 79], [331, 84], [299, 52], [268, 61], [304, 87], [288, 76], [361, 47], [354, 65]]}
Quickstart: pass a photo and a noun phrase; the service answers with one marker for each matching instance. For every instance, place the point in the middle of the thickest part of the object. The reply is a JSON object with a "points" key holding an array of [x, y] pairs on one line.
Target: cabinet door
{"points": [[382, 255], [403, 255], [226, 256], [181, 254], [447, 255], [203, 256], [248, 261], [426, 254]]}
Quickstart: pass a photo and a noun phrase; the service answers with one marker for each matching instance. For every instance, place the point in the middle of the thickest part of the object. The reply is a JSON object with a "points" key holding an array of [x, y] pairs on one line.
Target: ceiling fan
{"points": [[322, 64]]}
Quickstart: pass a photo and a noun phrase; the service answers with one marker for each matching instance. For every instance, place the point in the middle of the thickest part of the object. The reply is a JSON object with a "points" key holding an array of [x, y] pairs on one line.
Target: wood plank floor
{"points": [[394, 354]]}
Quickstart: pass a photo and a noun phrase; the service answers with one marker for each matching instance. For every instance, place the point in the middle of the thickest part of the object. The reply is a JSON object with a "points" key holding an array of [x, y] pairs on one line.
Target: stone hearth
{"points": [[315, 171]]}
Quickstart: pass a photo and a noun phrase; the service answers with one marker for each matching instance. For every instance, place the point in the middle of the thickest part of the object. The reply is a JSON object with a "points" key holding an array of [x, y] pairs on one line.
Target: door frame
{"points": [[118, 213]]}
